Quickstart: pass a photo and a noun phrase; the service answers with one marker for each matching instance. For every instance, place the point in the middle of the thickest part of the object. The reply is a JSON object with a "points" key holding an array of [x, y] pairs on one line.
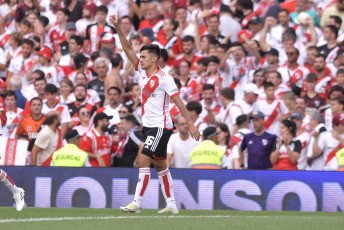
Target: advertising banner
{"points": [[193, 189]]}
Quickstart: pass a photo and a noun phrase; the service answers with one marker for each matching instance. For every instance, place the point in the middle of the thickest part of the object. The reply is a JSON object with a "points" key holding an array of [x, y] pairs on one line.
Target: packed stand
{"points": [[262, 80]]}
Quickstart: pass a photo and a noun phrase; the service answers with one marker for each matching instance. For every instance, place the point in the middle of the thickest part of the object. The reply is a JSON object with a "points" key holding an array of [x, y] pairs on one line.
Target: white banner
{"points": [[12, 151]]}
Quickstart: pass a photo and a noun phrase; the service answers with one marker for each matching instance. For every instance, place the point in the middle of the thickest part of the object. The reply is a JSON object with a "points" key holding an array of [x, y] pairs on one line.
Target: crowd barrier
{"points": [[193, 189]]}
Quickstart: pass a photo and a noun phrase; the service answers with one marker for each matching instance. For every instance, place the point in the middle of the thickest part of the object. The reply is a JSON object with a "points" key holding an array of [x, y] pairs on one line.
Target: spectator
{"points": [[75, 44], [227, 100], [100, 154], [208, 155], [135, 93], [84, 116], [304, 137], [47, 141], [70, 31], [189, 85], [317, 126], [195, 109], [300, 107], [180, 146], [185, 27], [126, 25], [66, 91], [275, 78], [223, 141], [88, 17], [210, 107], [340, 77], [226, 18], [301, 6], [330, 49], [16, 85], [313, 100], [259, 145], [92, 95], [337, 107], [153, 20], [335, 9], [13, 114], [102, 67], [130, 144], [70, 155], [324, 80], [288, 149], [56, 34], [329, 143]]}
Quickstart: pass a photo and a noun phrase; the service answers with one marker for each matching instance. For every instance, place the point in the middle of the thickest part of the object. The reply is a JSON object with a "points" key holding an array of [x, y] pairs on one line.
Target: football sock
{"points": [[4, 178], [166, 183], [144, 176]]}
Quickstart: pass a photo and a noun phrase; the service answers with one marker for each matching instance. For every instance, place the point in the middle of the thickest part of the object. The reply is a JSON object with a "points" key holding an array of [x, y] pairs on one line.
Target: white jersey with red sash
{"points": [[5, 40], [191, 85], [215, 108], [271, 111], [200, 125], [332, 55], [56, 37], [93, 33], [295, 76], [324, 85], [329, 145], [20, 67], [13, 119], [239, 75], [304, 138]]}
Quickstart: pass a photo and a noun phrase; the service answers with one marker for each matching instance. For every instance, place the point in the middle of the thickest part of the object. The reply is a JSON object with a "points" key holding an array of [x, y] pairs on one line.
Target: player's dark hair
{"points": [[241, 120], [188, 38], [214, 59], [208, 87], [115, 88], [50, 88], [152, 48], [65, 11], [228, 93], [78, 40], [291, 126], [194, 106], [333, 29], [268, 84], [28, 42], [10, 93], [36, 99], [203, 61]]}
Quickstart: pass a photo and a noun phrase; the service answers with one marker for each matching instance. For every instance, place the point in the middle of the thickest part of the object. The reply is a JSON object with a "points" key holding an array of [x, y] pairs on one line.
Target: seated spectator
{"points": [[208, 155], [70, 155], [130, 144], [180, 146], [84, 115], [329, 142], [259, 145], [288, 149], [99, 155], [47, 141]]}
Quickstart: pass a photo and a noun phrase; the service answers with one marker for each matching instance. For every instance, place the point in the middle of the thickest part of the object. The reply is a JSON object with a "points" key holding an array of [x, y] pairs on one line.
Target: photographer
{"points": [[131, 141]]}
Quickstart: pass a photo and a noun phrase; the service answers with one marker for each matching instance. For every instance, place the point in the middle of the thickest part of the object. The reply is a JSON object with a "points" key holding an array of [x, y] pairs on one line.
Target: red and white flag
{"points": [[13, 151]]}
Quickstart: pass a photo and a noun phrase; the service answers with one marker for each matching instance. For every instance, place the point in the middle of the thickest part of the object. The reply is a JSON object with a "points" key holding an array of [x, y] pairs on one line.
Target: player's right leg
{"points": [[144, 177], [18, 193]]}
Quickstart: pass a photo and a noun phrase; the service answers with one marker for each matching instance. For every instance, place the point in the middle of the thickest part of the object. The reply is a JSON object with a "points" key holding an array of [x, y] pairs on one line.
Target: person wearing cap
{"points": [[226, 18], [259, 145], [44, 64], [93, 31], [148, 36], [252, 32], [70, 155], [306, 32], [288, 148], [47, 141], [274, 109], [329, 143], [88, 17], [56, 34], [208, 155], [304, 137], [98, 143], [245, 105]]}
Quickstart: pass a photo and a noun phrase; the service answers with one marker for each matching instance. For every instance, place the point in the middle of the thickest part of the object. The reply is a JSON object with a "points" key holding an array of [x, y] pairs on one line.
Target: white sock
{"points": [[144, 176], [8, 182], [166, 183]]}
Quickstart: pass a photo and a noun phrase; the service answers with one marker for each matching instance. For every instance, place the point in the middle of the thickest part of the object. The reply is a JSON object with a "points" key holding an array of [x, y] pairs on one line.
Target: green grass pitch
{"points": [[97, 219]]}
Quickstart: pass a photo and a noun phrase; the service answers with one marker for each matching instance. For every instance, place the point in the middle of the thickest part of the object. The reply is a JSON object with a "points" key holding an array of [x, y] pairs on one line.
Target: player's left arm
{"points": [[192, 129]]}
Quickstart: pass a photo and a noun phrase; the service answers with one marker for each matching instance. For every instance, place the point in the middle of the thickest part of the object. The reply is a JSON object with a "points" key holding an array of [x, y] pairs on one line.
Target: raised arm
{"points": [[128, 49]]}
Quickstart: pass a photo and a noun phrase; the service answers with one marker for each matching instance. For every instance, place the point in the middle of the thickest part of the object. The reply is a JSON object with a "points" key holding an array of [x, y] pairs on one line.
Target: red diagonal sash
{"points": [[333, 153], [272, 117]]}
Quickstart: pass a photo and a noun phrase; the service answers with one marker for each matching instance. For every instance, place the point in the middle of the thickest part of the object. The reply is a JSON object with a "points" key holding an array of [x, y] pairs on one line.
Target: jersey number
{"points": [[149, 141]]}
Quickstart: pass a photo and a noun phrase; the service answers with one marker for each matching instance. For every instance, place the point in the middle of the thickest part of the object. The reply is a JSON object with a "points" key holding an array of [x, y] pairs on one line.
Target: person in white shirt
{"points": [[180, 146], [88, 18]]}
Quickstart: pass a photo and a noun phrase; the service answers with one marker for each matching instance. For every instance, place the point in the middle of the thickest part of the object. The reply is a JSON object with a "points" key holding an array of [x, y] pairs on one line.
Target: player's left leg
{"points": [[166, 183], [18, 193]]}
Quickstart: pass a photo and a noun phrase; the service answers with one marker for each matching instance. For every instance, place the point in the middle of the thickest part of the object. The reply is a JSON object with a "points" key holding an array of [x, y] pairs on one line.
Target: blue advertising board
{"points": [[193, 189]]}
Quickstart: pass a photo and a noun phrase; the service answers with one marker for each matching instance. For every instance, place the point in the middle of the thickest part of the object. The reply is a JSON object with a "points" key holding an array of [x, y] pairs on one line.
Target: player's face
{"points": [[10, 102], [147, 59], [36, 107], [113, 97], [188, 47], [26, 49], [319, 64]]}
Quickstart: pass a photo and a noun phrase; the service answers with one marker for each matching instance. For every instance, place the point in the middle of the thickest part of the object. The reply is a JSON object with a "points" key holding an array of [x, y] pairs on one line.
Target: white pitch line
{"points": [[152, 217]]}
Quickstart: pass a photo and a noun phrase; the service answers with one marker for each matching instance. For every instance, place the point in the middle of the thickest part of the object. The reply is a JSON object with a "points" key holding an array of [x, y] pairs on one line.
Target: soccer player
{"points": [[18, 193], [158, 88]]}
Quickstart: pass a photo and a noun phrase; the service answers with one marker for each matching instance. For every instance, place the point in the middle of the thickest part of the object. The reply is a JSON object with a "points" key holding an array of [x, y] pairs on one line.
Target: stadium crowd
{"points": [[263, 81]]}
